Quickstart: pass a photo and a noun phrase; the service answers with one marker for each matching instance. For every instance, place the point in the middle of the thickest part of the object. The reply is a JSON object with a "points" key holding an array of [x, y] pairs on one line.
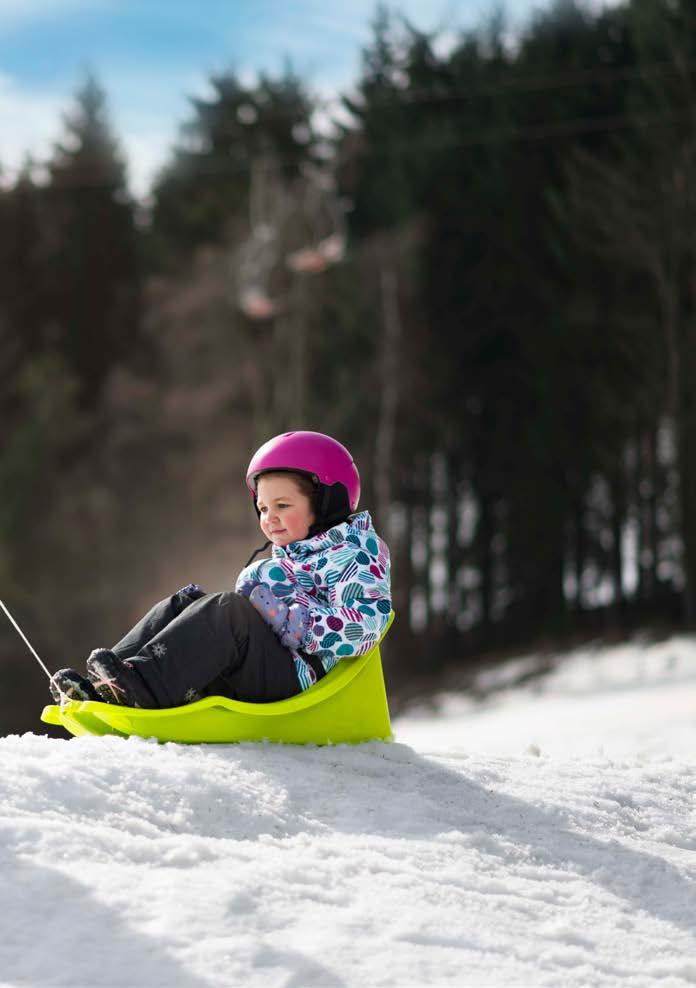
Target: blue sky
{"points": [[151, 55]]}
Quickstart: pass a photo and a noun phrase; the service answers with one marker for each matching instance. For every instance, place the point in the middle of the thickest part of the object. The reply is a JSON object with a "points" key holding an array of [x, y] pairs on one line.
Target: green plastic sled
{"points": [[348, 705]]}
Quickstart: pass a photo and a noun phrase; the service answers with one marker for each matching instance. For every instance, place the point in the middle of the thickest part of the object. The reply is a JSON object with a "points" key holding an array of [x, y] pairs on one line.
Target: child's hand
{"points": [[246, 586], [296, 626], [193, 591], [289, 623]]}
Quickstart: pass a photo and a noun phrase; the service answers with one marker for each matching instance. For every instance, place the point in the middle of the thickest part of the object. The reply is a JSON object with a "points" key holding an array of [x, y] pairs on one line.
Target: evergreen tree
{"points": [[93, 254], [206, 185], [22, 268], [475, 146]]}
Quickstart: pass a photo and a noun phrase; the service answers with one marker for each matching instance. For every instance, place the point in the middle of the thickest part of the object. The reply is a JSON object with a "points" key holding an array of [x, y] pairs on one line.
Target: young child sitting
{"points": [[323, 595]]}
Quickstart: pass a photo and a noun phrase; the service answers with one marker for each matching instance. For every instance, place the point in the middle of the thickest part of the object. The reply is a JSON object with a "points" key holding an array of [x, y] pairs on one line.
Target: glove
{"points": [[289, 623], [246, 586], [182, 598], [193, 591]]}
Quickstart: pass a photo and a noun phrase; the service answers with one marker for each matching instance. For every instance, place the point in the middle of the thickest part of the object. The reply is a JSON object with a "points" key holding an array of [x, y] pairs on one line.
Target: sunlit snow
{"points": [[544, 837]]}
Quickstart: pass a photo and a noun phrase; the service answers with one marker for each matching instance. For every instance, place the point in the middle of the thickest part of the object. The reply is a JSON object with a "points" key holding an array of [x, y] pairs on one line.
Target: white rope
{"points": [[25, 640], [64, 698]]}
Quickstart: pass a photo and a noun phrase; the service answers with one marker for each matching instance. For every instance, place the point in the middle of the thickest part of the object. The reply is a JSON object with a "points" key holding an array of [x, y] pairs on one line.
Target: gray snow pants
{"points": [[217, 645]]}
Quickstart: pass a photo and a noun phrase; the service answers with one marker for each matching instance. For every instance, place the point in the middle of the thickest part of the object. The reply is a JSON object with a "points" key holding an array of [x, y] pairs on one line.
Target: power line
{"points": [[569, 128], [544, 83], [504, 135]]}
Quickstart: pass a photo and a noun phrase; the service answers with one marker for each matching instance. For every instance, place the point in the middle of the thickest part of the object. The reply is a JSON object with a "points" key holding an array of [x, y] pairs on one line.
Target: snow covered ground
{"points": [[546, 837]]}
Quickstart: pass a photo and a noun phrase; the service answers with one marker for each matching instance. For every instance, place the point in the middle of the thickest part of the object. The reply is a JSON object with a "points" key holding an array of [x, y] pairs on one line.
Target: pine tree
{"points": [[94, 268], [206, 185]]}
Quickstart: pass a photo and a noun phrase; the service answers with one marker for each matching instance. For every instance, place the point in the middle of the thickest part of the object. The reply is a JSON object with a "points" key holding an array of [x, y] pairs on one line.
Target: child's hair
{"points": [[304, 483]]}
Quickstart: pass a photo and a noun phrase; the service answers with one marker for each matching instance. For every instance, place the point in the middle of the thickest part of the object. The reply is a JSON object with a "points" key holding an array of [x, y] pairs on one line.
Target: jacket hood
{"points": [[358, 529]]}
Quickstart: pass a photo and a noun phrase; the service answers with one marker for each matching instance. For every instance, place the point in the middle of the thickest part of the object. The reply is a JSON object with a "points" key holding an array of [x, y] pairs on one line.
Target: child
{"points": [[323, 595]]}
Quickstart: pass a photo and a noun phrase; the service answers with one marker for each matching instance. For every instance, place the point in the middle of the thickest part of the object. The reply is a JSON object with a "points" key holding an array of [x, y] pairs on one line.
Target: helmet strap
{"points": [[256, 552]]}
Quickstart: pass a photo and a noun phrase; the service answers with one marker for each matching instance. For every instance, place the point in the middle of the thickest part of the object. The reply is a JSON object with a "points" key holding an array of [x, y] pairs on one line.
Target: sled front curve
{"points": [[348, 705]]}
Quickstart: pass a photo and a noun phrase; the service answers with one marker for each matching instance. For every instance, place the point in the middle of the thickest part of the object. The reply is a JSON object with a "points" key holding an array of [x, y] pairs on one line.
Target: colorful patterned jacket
{"points": [[342, 576]]}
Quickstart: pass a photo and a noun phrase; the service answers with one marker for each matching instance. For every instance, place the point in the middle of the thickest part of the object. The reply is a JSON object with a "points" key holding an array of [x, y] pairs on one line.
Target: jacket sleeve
{"points": [[358, 610], [247, 579]]}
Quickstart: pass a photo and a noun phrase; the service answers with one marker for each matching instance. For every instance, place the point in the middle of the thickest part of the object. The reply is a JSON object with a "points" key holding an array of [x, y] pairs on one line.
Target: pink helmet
{"points": [[322, 458]]}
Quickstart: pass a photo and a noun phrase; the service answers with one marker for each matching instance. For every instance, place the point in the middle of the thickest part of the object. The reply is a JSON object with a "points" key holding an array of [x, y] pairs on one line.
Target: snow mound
{"points": [[127, 863], [631, 699]]}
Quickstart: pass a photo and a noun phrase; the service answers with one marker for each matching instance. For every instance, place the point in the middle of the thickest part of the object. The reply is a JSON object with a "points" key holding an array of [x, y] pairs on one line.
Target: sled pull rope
{"points": [[25, 640]]}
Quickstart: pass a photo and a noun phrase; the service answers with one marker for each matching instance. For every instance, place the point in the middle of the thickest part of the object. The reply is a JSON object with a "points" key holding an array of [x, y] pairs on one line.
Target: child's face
{"points": [[285, 513]]}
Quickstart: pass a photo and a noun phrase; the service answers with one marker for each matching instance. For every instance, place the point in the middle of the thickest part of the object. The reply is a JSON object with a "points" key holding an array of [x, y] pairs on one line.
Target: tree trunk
{"points": [[453, 548], [389, 394], [686, 446], [618, 515], [646, 497], [484, 539], [580, 551]]}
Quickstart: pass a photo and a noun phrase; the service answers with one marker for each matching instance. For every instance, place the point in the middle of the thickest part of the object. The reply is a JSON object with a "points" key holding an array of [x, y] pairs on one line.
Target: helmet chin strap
{"points": [[255, 553]]}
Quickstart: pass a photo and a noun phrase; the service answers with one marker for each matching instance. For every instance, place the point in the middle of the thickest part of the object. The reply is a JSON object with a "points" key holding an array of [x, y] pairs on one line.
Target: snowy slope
{"points": [[545, 838]]}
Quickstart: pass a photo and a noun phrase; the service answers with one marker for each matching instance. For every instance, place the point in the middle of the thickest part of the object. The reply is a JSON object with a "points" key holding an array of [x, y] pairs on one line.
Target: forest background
{"points": [[483, 282]]}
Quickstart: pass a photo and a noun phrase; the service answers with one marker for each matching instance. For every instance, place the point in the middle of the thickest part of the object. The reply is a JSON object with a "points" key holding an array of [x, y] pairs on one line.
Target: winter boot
{"points": [[68, 684], [118, 681]]}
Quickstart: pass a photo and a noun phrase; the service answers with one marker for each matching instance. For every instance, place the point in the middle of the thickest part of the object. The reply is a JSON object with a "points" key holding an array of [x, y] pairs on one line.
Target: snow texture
{"points": [[545, 837]]}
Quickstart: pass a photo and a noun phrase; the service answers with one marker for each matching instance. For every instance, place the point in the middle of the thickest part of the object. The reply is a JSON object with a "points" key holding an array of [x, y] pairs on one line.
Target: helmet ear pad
{"points": [[331, 506]]}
